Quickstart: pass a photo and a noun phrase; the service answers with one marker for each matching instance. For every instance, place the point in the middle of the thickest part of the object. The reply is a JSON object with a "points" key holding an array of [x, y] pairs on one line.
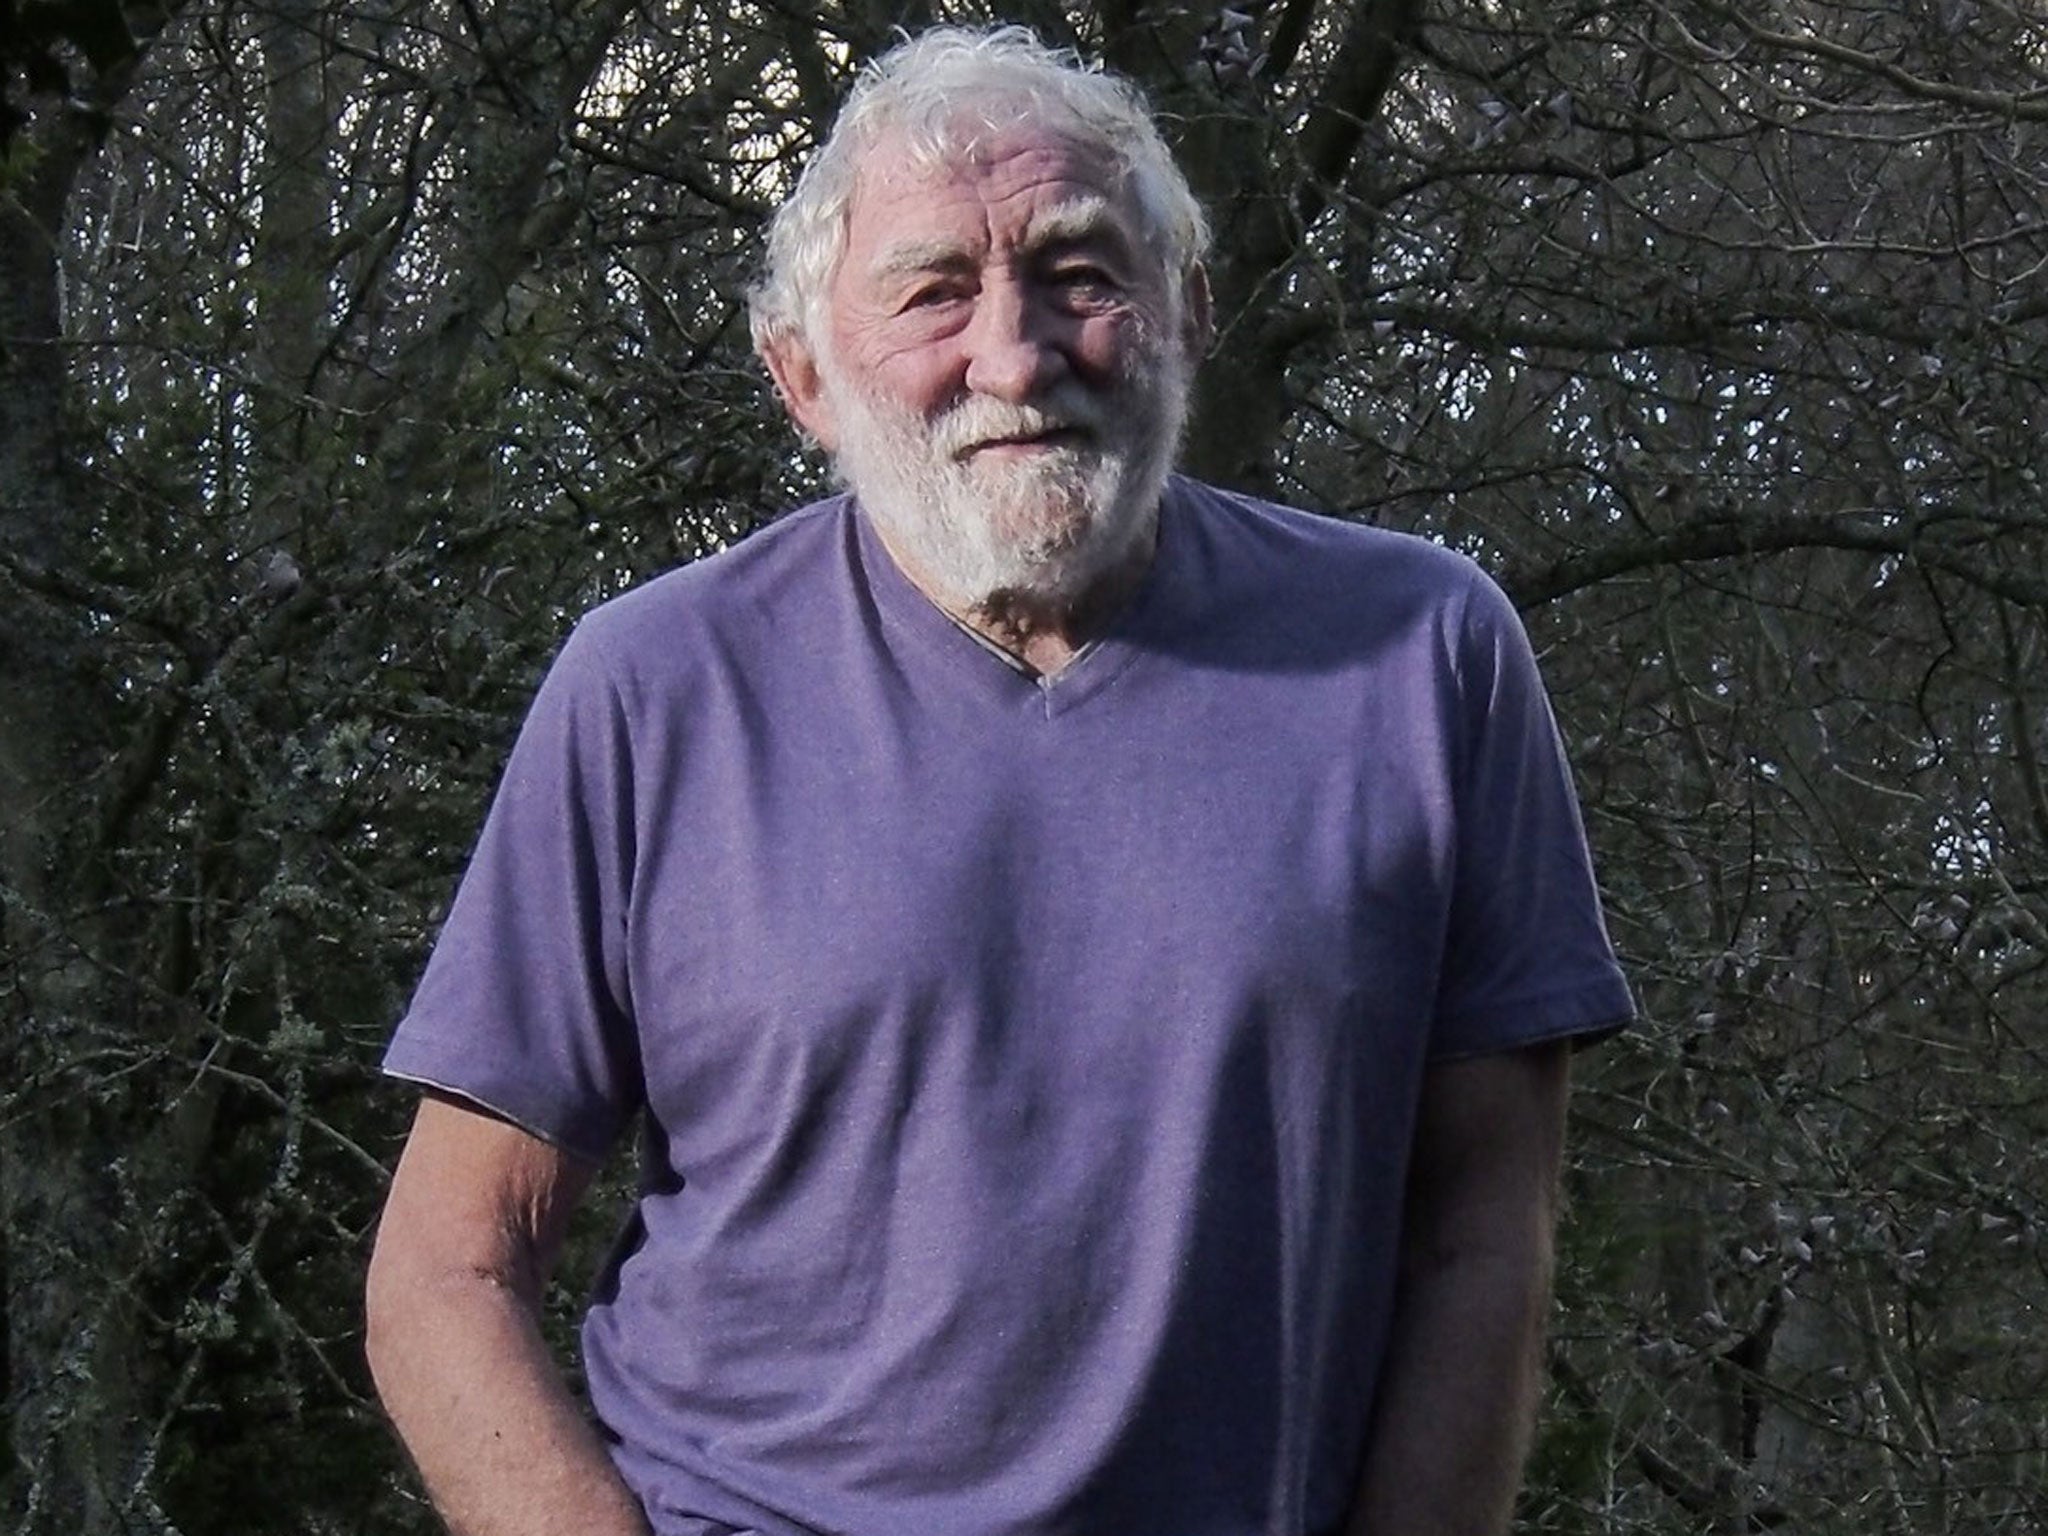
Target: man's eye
{"points": [[931, 296], [1084, 283]]}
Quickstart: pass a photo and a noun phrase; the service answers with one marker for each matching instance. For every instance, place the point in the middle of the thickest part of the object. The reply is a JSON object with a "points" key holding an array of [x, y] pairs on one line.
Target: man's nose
{"points": [[1014, 345]]}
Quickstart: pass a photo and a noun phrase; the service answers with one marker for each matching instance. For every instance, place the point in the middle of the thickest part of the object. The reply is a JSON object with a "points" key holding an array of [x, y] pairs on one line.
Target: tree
{"points": [[351, 348]]}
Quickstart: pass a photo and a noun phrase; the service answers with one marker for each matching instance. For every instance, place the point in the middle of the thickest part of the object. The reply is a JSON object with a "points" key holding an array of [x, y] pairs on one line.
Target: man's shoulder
{"points": [[758, 587], [1267, 551]]}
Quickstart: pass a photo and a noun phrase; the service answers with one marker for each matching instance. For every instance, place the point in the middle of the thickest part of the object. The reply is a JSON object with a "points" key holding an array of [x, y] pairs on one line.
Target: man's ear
{"points": [[1197, 313], [794, 368]]}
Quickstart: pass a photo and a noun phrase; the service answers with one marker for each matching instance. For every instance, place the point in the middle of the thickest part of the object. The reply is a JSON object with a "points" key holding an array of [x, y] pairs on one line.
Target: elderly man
{"points": [[1090, 958]]}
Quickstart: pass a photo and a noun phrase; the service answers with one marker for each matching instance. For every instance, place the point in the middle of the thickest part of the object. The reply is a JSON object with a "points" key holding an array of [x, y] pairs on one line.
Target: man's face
{"points": [[1002, 380]]}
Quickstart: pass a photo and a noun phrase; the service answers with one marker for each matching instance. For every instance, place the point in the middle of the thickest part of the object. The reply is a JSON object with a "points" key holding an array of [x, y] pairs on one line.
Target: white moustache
{"points": [[978, 421]]}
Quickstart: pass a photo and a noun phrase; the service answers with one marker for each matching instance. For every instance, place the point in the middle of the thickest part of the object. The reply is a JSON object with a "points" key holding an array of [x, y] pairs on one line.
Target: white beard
{"points": [[1042, 531]]}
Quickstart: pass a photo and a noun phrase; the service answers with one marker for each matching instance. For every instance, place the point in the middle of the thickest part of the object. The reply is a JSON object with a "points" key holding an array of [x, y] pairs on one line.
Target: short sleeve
{"points": [[1527, 957], [524, 1007]]}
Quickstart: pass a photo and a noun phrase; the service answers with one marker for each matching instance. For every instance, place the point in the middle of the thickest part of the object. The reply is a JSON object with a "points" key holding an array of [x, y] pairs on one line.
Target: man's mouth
{"points": [[1040, 439]]}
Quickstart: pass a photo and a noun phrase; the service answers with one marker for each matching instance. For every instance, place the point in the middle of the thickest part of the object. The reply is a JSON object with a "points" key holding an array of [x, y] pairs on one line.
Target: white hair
{"points": [[942, 94]]}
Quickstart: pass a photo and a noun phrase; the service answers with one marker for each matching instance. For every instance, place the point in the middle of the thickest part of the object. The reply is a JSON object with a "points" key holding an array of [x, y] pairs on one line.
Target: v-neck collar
{"points": [[933, 639]]}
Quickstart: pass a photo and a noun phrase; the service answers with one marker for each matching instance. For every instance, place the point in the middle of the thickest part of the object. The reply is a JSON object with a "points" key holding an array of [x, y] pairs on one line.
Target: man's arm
{"points": [[473, 1224], [1458, 1392]]}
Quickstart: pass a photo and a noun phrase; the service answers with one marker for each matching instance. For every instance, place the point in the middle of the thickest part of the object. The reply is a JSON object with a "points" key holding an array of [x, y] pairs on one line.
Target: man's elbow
{"points": [[389, 1313], [416, 1290], [415, 1294]]}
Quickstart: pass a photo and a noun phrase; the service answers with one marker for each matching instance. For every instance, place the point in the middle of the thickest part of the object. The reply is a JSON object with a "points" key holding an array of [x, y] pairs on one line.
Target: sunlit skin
{"points": [[1018, 276]]}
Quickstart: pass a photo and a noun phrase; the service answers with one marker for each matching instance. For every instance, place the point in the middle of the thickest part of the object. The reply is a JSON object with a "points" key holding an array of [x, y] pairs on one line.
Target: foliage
{"points": [[353, 347]]}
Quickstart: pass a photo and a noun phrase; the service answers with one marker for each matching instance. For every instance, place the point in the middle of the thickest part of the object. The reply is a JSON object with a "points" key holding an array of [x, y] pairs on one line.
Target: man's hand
{"points": [[471, 1229], [1457, 1394]]}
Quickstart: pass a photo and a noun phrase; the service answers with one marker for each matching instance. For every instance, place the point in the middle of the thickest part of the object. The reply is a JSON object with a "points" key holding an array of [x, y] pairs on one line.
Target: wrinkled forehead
{"points": [[1037, 188], [966, 145]]}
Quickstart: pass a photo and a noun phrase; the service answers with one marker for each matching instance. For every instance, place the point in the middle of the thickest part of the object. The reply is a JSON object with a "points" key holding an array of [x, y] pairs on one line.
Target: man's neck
{"points": [[1046, 634]]}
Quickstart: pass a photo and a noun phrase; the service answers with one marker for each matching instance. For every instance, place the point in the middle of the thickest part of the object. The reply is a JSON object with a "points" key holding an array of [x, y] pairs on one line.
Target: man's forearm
{"points": [[1455, 1405], [476, 1216], [481, 1407], [1457, 1391]]}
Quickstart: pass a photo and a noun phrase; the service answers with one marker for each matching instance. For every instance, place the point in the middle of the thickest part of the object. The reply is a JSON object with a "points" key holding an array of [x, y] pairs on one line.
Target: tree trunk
{"points": [[74, 1429]]}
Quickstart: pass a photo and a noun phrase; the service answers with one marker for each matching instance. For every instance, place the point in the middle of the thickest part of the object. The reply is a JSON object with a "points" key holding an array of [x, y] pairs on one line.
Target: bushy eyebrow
{"points": [[1077, 222], [922, 256]]}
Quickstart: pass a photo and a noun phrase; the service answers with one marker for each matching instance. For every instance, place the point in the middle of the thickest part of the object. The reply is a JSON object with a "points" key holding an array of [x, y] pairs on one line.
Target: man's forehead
{"points": [[1027, 187], [894, 165]]}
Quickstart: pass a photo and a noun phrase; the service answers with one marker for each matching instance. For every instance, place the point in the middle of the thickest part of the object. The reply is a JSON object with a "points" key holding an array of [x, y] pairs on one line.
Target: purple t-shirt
{"points": [[1026, 1070]]}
